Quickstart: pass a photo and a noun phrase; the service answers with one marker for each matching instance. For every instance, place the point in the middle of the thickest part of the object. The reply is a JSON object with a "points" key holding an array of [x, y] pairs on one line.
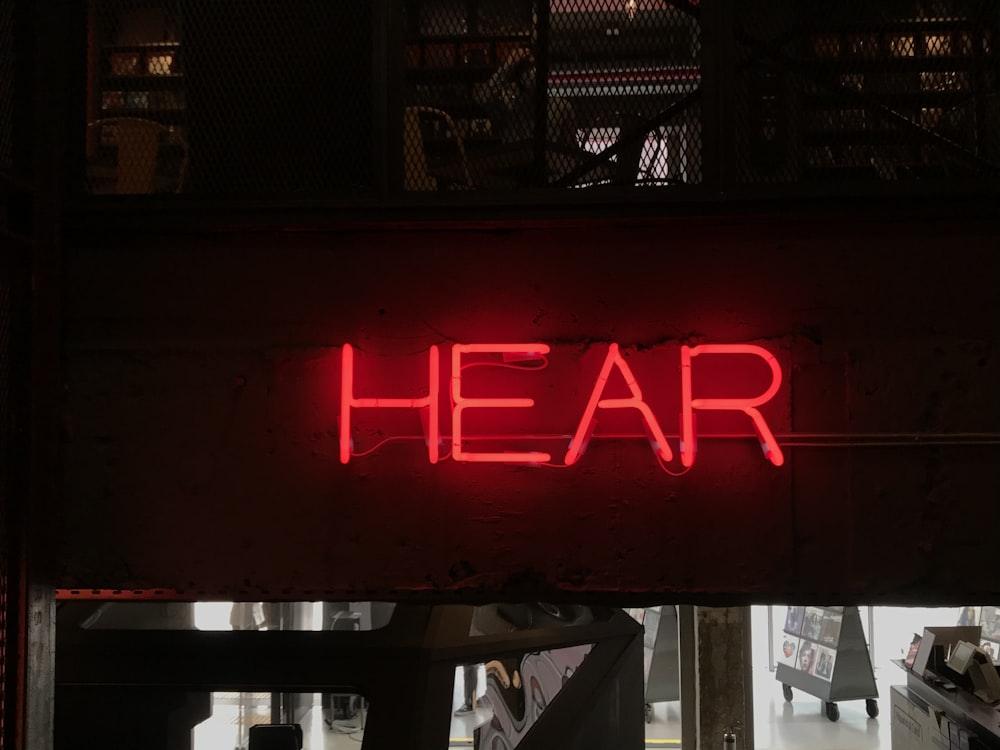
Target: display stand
{"points": [[660, 655], [926, 713], [822, 652]]}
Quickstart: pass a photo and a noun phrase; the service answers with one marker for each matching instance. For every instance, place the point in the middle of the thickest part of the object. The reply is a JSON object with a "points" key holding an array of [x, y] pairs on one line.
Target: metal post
{"points": [[770, 638], [687, 649], [871, 634], [542, 65]]}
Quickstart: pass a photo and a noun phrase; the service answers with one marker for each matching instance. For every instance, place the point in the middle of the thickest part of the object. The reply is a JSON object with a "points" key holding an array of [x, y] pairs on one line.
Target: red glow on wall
{"points": [[586, 426], [348, 401], [461, 403], [746, 405], [730, 379]]}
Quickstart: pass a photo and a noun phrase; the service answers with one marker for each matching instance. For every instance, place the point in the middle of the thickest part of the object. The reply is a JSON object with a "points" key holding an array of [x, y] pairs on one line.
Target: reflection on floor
{"points": [[463, 726], [779, 725], [665, 728], [223, 730]]}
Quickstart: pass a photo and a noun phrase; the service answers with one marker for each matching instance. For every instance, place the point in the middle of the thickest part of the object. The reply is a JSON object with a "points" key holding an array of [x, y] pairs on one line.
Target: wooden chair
{"points": [[128, 156], [416, 174]]}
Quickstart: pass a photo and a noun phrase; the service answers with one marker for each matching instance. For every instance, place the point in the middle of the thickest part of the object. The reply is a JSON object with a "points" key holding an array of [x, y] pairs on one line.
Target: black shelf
{"points": [[467, 38], [174, 150], [472, 143], [141, 74], [873, 137], [152, 113], [455, 73], [913, 100], [906, 26], [848, 64], [141, 82], [144, 47], [849, 676]]}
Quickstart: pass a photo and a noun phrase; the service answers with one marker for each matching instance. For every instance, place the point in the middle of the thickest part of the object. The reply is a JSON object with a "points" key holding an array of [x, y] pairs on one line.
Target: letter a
{"points": [[586, 426]]}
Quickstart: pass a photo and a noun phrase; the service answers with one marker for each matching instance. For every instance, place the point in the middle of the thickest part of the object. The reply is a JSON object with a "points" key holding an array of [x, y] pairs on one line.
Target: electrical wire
{"points": [[787, 440], [382, 442], [666, 469], [512, 366]]}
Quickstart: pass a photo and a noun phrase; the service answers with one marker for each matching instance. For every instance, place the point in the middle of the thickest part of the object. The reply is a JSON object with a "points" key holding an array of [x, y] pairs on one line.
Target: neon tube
{"points": [[586, 426], [430, 402], [460, 403], [770, 447]]}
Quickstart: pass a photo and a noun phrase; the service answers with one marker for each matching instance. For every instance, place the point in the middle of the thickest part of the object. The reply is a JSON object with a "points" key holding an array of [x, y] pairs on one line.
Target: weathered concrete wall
{"points": [[202, 380]]}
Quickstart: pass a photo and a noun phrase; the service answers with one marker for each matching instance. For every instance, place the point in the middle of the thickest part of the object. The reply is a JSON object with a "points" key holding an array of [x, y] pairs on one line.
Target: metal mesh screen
{"points": [[8, 598], [6, 83], [7, 700], [509, 94], [314, 98], [872, 92], [231, 97]]}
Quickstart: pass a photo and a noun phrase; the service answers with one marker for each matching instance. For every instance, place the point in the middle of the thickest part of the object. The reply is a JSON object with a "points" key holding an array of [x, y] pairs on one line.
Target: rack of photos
{"points": [[822, 652]]}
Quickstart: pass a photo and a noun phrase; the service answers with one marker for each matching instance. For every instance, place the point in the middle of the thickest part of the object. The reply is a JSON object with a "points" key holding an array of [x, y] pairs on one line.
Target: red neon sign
{"points": [[586, 426], [349, 402], [746, 405], [461, 403]]}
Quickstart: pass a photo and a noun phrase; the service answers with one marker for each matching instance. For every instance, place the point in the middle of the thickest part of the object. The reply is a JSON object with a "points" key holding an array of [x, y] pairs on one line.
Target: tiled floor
{"points": [[799, 725], [802, 724], [778, 725]]}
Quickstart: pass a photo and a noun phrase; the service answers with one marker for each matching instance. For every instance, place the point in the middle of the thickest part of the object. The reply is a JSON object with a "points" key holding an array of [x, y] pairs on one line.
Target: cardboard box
{"points": [[916, 727]]}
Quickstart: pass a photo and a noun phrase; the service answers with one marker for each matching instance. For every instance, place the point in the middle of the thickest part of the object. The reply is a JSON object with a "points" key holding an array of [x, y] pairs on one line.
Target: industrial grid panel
{"points": [[511, 94], [365, 102], [229, 98], [8, 702], [860, 92], [6, 83]]}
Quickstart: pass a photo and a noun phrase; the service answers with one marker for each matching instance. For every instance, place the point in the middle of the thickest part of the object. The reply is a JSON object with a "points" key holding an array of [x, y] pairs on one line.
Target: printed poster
{"points": [[823, 664], [807, 657], [813, 623], [788, 649], [990, 622], [793, 620], [829, 632]]}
